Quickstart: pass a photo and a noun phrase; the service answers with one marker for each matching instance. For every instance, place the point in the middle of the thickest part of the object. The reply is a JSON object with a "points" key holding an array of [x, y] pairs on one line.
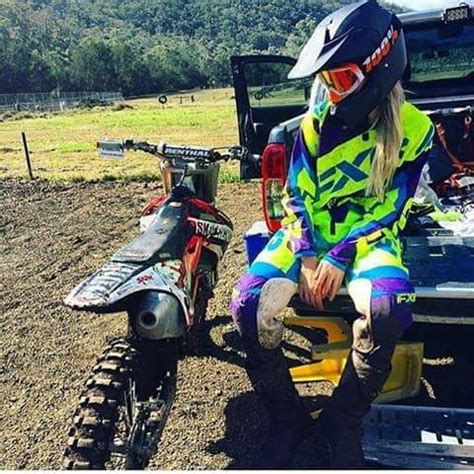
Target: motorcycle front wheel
{"points": [[124, 407]]}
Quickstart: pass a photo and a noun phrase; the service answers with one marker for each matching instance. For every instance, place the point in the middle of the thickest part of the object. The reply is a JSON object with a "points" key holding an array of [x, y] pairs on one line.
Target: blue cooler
{"points": [[255, 240]]}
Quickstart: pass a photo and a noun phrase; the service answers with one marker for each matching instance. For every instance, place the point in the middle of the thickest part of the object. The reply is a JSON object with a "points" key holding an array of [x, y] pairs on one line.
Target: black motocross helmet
{"points": [[363, 36]]}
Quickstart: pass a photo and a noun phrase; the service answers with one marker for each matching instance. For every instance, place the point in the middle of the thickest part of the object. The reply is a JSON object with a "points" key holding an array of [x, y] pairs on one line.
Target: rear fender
{"points": [[152, 279], [97, 294]]}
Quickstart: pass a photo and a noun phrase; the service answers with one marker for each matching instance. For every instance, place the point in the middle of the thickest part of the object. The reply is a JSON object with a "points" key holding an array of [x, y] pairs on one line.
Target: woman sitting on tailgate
{"points": [[353, 171]]}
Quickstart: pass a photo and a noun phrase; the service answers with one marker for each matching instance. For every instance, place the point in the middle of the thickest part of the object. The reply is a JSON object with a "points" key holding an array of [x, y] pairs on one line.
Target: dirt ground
{"points": [[52, 236]]}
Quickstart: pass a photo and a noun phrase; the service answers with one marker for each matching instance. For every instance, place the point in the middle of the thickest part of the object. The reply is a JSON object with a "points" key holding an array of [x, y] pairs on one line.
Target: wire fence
{"points": [[55, 101]]}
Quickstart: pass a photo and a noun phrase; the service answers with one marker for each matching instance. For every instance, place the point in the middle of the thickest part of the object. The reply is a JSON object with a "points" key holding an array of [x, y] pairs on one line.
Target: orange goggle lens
{"points": [[342, 81]]}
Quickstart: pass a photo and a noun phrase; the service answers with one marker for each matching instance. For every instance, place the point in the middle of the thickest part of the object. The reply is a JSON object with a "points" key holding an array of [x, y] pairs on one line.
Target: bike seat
{"points": [[164, 237]]}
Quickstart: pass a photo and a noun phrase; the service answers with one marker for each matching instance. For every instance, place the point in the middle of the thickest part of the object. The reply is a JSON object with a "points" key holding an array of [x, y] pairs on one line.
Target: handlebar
{"points": [[187, 152], [170, 152]]}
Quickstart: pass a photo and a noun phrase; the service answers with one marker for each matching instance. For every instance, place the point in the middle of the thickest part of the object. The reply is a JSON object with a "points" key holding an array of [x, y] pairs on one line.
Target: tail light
{"points": [[273, 181]]}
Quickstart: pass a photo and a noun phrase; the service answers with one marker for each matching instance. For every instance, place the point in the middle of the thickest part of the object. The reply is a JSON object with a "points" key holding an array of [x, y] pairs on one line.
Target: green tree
{"points": [[143, 46], [92, 65]]}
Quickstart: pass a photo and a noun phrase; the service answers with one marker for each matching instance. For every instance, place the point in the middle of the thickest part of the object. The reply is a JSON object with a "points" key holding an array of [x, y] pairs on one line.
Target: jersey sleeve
{"points": [[300, 189], [392, 212]]}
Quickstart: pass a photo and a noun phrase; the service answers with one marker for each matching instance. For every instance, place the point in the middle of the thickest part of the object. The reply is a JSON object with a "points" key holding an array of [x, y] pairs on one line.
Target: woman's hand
{"points": [[328, 280], [319, 280], [309, 267]]}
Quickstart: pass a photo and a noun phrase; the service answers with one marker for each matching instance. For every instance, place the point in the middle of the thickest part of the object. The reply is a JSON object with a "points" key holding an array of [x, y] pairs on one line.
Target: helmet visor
{"points": [[342, 81]]}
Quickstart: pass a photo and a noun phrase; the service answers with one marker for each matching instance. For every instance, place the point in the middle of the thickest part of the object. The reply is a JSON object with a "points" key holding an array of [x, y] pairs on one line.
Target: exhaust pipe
{"points": [[157, 316]]}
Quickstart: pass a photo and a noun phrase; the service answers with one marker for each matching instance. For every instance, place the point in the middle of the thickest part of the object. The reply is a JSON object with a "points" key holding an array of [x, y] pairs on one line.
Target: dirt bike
{"points": [[163, 279]]}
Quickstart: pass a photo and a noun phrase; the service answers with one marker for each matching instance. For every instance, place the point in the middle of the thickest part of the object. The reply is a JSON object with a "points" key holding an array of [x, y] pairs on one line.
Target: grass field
{"points": [[63, 145]]}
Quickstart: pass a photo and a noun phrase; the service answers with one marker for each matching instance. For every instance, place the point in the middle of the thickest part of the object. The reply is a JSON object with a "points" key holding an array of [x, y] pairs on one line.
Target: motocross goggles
{"points": [[342, 81]]}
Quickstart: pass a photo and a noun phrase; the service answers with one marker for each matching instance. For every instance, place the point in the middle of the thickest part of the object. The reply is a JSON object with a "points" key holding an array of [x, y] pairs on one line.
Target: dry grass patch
{"points": [[63, 145]]}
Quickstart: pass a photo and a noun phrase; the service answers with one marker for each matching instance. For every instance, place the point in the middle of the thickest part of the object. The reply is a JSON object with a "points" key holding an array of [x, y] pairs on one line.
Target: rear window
{"points": [[441, 54], [268, 85]]}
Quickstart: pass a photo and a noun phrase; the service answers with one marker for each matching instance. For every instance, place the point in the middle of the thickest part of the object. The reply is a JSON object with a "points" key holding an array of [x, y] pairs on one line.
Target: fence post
{"points": [[27, 154]]}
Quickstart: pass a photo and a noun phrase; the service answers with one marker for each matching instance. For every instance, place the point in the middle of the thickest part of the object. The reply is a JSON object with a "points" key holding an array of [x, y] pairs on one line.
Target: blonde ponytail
{"points": [[389, 140]]}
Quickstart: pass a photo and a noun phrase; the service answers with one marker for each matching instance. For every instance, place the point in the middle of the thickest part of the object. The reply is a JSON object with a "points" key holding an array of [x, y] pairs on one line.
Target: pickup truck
{"points": [[439, 80]]}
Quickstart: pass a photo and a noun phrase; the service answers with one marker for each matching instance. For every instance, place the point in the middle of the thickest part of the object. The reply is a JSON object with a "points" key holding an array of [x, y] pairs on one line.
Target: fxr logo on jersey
{"points": [[406, 298], [385, 46]]}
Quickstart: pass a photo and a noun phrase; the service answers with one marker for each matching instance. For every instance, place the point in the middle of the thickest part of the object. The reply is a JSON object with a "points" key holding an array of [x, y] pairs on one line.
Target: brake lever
{"points": [[236, 152]]}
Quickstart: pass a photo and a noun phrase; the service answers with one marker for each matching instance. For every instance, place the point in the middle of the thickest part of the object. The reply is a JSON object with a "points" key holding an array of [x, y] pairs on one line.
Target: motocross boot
{"points": [[340, 423], [288, 419], [367, 369]]}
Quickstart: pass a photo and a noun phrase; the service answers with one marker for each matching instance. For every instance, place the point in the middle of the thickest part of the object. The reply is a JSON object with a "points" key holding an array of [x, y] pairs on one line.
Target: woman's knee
{"points": [[244, 303], [256, 302], [393, 299], [383, 299], [377, 331]]}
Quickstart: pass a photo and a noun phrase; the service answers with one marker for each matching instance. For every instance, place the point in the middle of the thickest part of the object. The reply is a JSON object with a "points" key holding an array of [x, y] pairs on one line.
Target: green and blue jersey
{"points": [[328, 214]]}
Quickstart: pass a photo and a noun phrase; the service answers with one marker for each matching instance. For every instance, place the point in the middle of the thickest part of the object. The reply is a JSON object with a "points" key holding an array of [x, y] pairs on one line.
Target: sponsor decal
{"points": [[406, 298], [171, 269], [144, 279], [211, 229], [385, 46]]}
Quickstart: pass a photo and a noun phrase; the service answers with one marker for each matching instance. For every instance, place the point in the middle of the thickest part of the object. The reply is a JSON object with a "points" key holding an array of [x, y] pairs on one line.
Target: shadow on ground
{"points": [[246, 426], [232, 352], [246, 421]]}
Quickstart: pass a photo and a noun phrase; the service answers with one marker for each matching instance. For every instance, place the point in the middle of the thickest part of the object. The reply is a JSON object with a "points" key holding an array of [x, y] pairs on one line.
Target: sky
{"points": [[429, 4]]}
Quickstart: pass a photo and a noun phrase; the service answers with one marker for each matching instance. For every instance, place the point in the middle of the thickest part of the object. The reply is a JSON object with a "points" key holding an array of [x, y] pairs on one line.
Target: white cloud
{"points": [[427, 4]]}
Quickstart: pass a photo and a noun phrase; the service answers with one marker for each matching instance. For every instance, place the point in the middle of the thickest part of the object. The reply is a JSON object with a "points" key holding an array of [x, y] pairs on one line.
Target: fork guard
{"points": [[330, 360]]}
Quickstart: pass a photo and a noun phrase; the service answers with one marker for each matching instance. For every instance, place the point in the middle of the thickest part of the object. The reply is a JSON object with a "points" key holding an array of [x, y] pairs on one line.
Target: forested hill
{"points": [[142, 46]]}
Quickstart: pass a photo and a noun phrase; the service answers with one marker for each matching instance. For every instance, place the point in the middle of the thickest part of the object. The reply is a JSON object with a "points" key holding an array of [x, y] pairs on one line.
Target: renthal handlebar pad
{"points": [[186, 152]]}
